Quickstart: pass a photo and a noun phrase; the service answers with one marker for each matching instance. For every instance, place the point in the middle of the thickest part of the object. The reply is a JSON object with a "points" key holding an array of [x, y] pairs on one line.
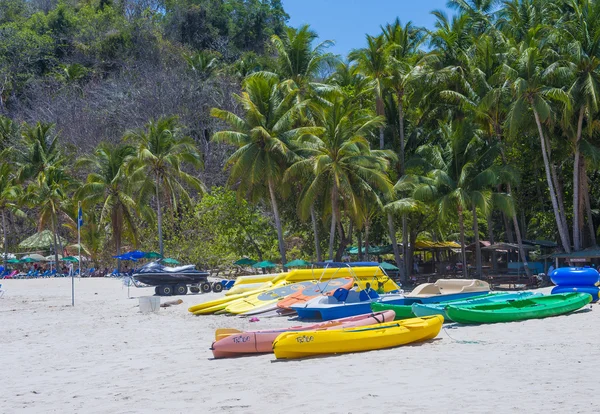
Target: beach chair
{"points": [[52, 273]]}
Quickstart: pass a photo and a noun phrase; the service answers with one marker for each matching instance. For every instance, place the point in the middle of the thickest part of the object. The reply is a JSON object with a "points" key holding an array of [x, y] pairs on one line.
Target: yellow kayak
{"points": [[227, 299], [366, 338], [266, 298], [247, 288], [301, 275]]}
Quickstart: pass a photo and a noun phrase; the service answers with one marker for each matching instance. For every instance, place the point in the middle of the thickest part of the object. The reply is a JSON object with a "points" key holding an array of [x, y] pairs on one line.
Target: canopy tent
{"points": [[298, 263], [430, 245], [43, 240], [373, 250], [388, 266], [244, 261], [168, 260], [264, 265]]}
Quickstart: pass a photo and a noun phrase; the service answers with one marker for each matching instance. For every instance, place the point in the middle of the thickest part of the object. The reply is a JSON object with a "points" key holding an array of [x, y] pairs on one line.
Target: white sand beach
{"points": [[103, 356]]}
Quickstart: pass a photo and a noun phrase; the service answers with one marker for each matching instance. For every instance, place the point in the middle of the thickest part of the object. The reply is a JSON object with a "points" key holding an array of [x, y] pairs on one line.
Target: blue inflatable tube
{"points": [[592, 290], [574, 276]]}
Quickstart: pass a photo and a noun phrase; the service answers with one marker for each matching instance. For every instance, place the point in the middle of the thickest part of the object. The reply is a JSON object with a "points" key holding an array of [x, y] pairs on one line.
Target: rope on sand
{"points": [[460, 341]]}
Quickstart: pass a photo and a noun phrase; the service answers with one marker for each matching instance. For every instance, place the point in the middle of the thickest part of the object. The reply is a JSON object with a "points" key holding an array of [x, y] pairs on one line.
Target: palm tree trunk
{"points": [[576, 193], [478, 264], [360, 255], [461, 224], [405, 249], [559, 223], [559, 194], [490, 226], [400, 95], [520, 244], [5, 238], [331, 234], [590, 219], [316, 232], [367, 244], [277, 222], [380, 109], [159, 216], [55, 243], [392, 231]]}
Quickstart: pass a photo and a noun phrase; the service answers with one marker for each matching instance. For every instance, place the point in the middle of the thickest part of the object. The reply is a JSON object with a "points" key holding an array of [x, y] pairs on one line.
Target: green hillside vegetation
{"points": [[210, 129]]}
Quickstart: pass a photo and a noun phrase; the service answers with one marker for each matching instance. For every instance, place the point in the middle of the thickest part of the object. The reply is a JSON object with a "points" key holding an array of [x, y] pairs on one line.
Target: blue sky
{"points": [[347, 21]]}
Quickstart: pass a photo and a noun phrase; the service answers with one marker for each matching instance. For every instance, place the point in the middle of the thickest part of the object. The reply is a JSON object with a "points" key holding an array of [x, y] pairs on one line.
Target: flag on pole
{"points": [[80, 217]]}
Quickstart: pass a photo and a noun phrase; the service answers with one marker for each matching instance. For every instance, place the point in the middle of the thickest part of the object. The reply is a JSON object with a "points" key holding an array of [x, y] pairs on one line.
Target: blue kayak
{"points": [[428, 309]]}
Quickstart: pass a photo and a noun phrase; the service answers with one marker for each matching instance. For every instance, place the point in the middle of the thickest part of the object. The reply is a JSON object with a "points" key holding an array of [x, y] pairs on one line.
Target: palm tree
{"points": [[459, 177], [532, 90], [158, 166], [299, 61], [341, 162], [8, 132], [263, 136], [372, 62], [583, 57], [40, 151], [49, 193], [9, 195], [109, 185]]}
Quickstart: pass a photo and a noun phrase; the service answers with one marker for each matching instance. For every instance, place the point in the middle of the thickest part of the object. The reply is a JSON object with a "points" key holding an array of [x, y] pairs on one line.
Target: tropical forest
{"points": [[209, 130]]}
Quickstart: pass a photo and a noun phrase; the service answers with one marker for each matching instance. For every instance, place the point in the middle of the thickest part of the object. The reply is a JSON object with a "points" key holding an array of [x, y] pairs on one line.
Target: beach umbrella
{"points": [[136, 255], [152, 255], [244, 261], [13, 261], [388, 266], [298, 263], [168, 260], [27, 260], [51, 257], [8, 256], [40, 241], [264, 265], [70, 259], [36, 257]]}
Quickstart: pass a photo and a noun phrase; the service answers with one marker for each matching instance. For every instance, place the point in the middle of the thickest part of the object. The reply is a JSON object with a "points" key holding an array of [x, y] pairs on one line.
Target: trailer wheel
{"points": [[217, 287], [205, 287], [165, 290], [181, 289], [194, 289]]}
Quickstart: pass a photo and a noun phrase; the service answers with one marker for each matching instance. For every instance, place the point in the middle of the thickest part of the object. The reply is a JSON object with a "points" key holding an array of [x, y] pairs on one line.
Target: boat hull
{"points": [[518, 310], [428, 309], [237, 344], [312, 343]]}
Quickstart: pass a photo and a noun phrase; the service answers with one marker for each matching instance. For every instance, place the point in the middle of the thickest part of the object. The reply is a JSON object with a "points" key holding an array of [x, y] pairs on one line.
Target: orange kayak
{"points": [[323, 288], [231, 342]]}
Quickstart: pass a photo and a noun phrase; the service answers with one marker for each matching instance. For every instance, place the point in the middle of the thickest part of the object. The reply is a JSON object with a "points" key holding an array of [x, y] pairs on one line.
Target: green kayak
{"points": [[406, 311], [531, 308], [402, 311]]}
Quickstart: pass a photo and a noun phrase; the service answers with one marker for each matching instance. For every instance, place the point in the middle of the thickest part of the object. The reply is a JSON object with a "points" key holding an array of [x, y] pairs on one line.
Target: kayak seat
{"points": [[340, 294], [367, 295]]}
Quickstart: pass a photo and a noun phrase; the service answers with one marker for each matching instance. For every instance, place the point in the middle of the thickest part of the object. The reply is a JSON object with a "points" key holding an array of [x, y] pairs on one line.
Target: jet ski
{"points": [[170, 280]]}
